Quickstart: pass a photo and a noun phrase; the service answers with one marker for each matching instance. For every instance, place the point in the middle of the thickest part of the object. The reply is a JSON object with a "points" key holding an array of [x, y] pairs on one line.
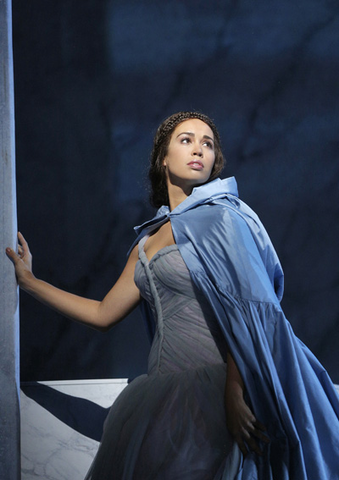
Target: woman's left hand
{"points": [[242, 424]]}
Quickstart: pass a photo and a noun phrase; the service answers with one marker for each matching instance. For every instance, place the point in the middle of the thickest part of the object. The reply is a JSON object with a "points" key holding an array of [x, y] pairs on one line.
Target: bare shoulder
{"points": [[134, 255]]}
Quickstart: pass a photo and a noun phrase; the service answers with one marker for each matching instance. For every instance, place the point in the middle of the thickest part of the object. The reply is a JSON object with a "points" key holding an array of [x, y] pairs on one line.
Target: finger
{"points": [[23, 242], [242, 447], [257, 431], [260, 436], [248, 436], [11, 254], [252, 444], [259, 425]]}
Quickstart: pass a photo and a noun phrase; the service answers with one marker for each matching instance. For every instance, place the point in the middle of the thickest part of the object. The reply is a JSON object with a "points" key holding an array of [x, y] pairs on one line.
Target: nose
{"points": [[197, 150]]}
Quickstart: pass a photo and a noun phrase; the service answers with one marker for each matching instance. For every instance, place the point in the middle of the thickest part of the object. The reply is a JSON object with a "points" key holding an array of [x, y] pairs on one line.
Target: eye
{"points": [[208, 144], [186, 140]]}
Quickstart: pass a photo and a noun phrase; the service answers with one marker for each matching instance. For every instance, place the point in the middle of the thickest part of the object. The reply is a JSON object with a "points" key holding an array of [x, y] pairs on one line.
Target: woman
{"points": [[230, 392]]}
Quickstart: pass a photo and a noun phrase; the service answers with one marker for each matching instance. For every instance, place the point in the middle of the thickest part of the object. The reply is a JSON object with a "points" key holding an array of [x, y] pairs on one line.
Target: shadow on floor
{"points": [[82, 415]]}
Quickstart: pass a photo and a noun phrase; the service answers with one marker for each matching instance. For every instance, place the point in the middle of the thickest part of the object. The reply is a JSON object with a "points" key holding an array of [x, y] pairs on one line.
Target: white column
{"points": [[9, 314]]}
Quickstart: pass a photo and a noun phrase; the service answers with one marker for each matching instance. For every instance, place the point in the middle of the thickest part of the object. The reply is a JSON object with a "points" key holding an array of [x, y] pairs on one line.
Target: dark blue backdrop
{"points": [[94, 79]]}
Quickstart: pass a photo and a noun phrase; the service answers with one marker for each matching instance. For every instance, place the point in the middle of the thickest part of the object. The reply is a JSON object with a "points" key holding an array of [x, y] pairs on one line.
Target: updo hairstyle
{"points": [[157, 171]]}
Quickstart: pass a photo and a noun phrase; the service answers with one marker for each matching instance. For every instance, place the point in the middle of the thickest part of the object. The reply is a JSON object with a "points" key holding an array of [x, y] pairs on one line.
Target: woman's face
{"points": [[190, 154]]}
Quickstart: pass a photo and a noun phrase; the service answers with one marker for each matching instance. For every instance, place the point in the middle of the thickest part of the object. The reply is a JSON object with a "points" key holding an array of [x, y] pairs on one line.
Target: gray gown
{"points": [[170, 423]]}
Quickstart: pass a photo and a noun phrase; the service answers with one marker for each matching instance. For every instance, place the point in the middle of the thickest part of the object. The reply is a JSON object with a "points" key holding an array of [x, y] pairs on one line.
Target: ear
{"points": [[164, 164]]}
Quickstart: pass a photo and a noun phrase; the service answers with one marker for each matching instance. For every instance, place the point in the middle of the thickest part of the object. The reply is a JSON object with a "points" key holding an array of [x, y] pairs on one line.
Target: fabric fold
{"points": [[233, 264]]}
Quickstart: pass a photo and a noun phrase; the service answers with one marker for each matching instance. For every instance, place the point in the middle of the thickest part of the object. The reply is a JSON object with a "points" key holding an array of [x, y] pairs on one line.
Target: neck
{"points": [[177, 195]]}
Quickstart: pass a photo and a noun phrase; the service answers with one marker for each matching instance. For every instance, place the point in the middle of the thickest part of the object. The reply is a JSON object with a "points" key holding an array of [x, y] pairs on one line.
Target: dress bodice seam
{"points": [[157, 303]]}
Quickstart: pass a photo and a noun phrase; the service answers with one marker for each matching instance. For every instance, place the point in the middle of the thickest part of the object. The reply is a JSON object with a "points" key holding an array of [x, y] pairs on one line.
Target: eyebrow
{"points": [[193, 135]]}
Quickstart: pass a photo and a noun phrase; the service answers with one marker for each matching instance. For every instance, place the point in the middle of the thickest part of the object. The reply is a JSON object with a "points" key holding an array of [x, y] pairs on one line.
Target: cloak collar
{"points": [[203, 194]]}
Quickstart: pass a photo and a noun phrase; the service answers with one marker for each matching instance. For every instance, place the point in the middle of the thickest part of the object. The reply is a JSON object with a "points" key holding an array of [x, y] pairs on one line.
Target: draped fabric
{"points": [[169, 424], [232, 262]]}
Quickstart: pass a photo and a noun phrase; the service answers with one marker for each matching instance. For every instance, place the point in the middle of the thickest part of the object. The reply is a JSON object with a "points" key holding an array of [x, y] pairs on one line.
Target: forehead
{"points": [[194, 125]]}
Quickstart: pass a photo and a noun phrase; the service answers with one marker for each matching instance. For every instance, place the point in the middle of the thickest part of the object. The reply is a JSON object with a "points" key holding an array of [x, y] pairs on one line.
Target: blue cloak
{"points": [[232, 262]]}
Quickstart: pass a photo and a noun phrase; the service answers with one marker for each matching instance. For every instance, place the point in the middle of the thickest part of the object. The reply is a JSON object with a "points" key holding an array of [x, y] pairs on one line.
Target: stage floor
{"points": [[61, 424]]}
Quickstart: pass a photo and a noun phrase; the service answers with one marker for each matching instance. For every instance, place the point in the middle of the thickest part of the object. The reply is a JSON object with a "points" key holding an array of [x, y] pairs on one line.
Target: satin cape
{"points": [[232, 262]]}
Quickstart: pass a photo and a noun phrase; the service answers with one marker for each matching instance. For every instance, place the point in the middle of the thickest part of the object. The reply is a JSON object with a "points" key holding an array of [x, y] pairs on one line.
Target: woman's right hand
{"points": [[22, 261], [123, 297]]}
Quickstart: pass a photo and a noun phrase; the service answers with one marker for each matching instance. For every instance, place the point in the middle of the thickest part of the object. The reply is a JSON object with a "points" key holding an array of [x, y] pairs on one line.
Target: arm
{"points": [[119, 302], [241, 422]]}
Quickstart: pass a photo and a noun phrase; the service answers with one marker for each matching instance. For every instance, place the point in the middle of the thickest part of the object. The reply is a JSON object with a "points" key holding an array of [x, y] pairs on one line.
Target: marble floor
{"points": [[61, 425]]}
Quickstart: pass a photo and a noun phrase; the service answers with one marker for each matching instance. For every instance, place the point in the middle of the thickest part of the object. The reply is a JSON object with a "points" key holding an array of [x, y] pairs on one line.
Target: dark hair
{"points": [[157, 172]]}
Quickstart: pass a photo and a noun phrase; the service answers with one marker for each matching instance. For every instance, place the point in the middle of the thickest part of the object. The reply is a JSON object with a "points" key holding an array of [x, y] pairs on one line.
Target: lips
{"points": [[196, 165]]}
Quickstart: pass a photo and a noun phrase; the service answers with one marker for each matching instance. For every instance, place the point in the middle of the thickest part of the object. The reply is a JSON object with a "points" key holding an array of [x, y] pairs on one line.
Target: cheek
{"points": [[212, 161]]}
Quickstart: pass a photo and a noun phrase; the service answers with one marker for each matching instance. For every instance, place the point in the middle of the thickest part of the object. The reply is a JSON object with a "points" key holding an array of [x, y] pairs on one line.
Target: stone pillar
{"points": [[9, 314]]}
